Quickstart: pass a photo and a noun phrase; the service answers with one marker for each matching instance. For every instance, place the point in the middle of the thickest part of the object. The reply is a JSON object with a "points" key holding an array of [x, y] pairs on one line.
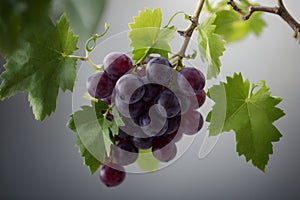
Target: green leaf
{"points": [[146, 161], [42, 66], [117, 117], [210, 45], [249, 114], [88, 124], [88, 159], [107, 128], [229, 23], [93, 131], [232, 28], [17, 18], [147, 37], [84, 16]]}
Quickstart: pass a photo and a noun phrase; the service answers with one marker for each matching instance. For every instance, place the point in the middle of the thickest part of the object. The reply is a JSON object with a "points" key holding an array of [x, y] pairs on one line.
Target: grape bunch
{"points": [[156, 103]]}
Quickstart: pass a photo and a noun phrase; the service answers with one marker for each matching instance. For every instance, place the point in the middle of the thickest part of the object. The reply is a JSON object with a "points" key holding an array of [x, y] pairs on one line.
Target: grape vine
{"points": [[142, 104]]}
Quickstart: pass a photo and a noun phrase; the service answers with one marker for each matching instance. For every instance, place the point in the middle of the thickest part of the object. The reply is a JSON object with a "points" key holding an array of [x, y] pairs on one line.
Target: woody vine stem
{"points": [[279, 10]]}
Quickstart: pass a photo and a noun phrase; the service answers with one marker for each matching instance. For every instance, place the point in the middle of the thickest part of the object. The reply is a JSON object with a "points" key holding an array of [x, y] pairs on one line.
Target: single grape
{"points": [[168, 102], [152, 90], [100, 85], [190, 80], [201, 96], [117, 64], [198, 99], [112, 175], [191, 122], [129, 89], [164, 149], [143, 143], [160, 71], [173, 124], [124, 153]]}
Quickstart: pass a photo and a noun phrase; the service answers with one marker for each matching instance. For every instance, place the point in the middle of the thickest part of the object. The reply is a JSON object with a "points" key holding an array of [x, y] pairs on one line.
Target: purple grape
{"points": [[100, 85], [168, 102], [190, 80], [152, 90], [117, 64], [175, 137], [173, 124], [164, 149], [143, 143], [201, 96], [112, 175], [124, 153], [160, 71], [191, 122], [129, 89], [107, 100], [123, 136]]}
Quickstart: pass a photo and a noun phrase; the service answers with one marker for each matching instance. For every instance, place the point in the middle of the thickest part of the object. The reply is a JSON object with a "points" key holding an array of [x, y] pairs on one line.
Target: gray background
{"points": [[39, 160]]}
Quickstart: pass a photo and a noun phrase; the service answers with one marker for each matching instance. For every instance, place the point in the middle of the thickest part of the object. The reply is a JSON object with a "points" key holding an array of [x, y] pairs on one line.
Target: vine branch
{"points": [[279, 10], [189, 31]]}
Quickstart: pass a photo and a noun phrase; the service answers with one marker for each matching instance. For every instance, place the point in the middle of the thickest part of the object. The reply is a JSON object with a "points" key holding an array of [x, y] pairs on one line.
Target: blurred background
{"points": [[39, 159]]}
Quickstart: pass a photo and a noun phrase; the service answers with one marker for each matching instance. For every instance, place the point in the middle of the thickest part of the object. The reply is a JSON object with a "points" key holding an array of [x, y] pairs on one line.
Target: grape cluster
{"points": [[157, 105]]}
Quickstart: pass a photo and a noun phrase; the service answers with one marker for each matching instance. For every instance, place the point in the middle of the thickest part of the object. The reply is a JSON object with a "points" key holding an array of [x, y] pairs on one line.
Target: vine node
{"points": [[279, 10]]}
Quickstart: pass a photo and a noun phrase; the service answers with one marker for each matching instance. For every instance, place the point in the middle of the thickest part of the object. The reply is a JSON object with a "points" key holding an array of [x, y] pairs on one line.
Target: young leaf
{"points": [[88, 159], [93, 132], [210, 45], [232, 28], [249, 114], [147, 37], [146, 161], [41, 67], [229, 23]]}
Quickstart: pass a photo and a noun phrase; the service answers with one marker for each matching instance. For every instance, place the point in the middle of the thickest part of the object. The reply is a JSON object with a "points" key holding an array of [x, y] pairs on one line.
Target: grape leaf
{"points": [[229, 23], [42, 66], [146, 161], [147, 37], [210, 45], [249, 114], [83, 15], [232, 28], [17, 18], [93, 131], [88, 158]]}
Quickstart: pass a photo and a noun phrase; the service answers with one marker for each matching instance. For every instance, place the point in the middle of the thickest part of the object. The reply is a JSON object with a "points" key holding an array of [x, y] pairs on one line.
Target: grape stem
{"points": [[108, 110], [88, 60], [279, 10], [187, 34]]}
